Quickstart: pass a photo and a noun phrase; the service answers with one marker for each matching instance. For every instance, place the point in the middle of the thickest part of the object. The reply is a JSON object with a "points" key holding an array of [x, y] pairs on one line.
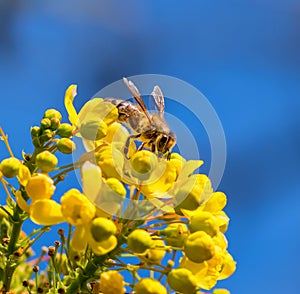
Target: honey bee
{"points": [[150, 129]]}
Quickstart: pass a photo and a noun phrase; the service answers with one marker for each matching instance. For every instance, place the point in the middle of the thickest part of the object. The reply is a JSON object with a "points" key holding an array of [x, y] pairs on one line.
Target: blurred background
{"points": [[244, 56]]}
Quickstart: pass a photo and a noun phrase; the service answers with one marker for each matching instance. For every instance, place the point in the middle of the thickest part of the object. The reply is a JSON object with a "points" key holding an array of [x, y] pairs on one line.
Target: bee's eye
{"points": [[162, 143], [163, 140]]}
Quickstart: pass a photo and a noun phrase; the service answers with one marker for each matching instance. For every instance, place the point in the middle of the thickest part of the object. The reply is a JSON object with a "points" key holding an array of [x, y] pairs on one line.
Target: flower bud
{"points": [[157, 253], [114, 190], [149, 286], [46, 161], [10, 167], [52, 113], [65, 130], [66, 146], [175, 234], [204, 221], [35, 131], [199, 247], [111, 282], [45, 123], [40, 186], [139, 241], [182, 280], [143, 163], [55, 122], [102, 228], [93, 130], [46, 136]]}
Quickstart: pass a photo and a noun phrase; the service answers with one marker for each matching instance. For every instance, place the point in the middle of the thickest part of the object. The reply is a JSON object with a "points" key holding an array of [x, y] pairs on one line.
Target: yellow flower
{"points": [[157, 253], [40, 186], [45, 212], [208, 272], [102, 228], [228, 267], [196, 190], [93, 118], [216, 202], [76, 208], [149, 286], [139, 241], [182, 280], [204, 221], [103, 247], [175, 234], [199, 247], [112, 282]]}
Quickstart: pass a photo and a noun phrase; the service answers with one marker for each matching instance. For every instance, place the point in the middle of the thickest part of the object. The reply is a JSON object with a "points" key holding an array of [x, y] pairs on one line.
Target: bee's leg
{"points": [[169, 155], [153, 147], [127, 144]]}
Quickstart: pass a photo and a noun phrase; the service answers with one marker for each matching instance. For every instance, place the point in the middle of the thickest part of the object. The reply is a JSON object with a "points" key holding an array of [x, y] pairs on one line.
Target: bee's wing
{"points": [[159, 100], [137, 96]]}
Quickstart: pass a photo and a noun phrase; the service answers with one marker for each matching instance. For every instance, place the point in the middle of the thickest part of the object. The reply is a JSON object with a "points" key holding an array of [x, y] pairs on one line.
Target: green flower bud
{"points": [[10, 167], [46, 136], [52, 113], [175, 234], [65, 130], [149, 286], [46, 123], [46, 161], [199, 247], [35, 131], [55, 122], [93, 130], [66, 146], [182, 280], [102, 228], [204, 221], [139, 241]]}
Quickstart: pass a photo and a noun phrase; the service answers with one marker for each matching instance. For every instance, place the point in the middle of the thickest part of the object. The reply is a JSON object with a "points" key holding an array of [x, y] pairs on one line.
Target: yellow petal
{"points": [[101, 248], [79, 239], [21, 202], [46, 212], [69, 97], [24, 175], [91, 180]]}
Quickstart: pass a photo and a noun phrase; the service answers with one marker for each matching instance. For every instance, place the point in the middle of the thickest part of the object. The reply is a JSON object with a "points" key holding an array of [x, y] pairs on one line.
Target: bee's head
{"points": [[165, 142]]}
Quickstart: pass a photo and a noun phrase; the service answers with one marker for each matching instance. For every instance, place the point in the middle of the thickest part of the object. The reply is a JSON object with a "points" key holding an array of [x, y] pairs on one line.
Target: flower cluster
{"points": [[137, 212]]}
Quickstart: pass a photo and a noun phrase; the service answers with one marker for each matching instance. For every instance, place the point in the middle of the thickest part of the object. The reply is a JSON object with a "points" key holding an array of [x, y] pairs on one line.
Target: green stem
{"points": [[12, 246], [83, 277]]}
